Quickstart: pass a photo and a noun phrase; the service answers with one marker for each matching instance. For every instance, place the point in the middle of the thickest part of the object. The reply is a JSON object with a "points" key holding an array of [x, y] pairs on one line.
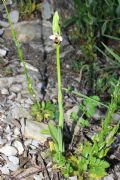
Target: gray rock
{"points": [[1, 31], [11, 166], [29, 30], [33, 129], [16, 88], [30, 67], [14, 159], [110, 177], [46, 10], [8, 81], [12, 96], [116, 117], [4, 24], [8, 150], [4, 91], [3, 52], [19, 147], [14, 16]]}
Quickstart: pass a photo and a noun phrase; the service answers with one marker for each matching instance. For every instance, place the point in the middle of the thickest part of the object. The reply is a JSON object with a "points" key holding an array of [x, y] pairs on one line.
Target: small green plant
{"points": [[88, 107], [57, 132], [26, 8], [46, 111]]}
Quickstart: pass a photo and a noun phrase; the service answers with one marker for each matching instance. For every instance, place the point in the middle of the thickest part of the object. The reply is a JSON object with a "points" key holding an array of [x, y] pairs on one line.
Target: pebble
{"points": [[16, 88], [1, 31], [4, 91], [19, 147], [14, 160], [8, 150], [16, 131], [11, 166], [4, 170], [14, 16], [4, 24], [3, 52], [46, 10]]}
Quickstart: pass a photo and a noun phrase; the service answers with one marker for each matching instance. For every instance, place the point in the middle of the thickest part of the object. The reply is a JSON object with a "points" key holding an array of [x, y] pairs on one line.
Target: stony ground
{"points": [[23, 148]]}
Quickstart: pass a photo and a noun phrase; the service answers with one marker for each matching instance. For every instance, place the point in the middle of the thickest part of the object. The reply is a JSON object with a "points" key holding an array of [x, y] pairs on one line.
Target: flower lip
{"points": [[56, 38]]}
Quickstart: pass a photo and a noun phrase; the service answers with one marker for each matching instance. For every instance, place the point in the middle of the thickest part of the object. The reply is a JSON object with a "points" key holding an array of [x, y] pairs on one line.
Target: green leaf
{"points": [[56, 24], [112, 53], [53, 132], [103, 28]]}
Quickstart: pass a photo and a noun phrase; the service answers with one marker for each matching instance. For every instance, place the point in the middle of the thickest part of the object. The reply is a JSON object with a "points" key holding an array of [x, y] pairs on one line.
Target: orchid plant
{"points": [[57, 132]]}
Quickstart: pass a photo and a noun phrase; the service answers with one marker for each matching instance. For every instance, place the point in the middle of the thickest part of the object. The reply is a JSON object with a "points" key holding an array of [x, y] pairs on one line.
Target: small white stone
{"points": [[14, 16], [14, 159], [16, 131], [38, 176], [8, 150], [19, 147], [8, 129], [4, 170], [3, 52], [27, 142], [35, 143], [4, 91], [11, 166]]}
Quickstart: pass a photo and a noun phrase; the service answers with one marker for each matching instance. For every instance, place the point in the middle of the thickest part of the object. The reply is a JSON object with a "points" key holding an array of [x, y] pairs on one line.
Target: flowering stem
{"points": [[60, 101]]}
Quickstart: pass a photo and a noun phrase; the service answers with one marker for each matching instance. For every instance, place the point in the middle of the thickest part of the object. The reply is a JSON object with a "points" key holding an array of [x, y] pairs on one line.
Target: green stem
{"points": [[60, 101]]}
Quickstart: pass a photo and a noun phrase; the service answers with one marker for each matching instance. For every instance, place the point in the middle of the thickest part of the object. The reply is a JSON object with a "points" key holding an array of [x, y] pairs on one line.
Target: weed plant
{"points": [[21, 56]]}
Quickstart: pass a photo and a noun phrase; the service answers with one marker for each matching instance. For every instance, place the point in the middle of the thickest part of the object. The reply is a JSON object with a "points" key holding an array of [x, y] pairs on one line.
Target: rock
{"points": [[38, 176], [73, 178], [4, 170], [16, 88], [116, 117], [16, 131], [35, 143], [46, 10], [11, 166], [30, 30], [4, 24], [1, 31], [4, 91], [19, 147], [3, 52], [14, 16], [8, 81], [33, 129], [8, 150], [30, 67], [12, 96], [14, 159], [110, 177], [2, 141]]}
